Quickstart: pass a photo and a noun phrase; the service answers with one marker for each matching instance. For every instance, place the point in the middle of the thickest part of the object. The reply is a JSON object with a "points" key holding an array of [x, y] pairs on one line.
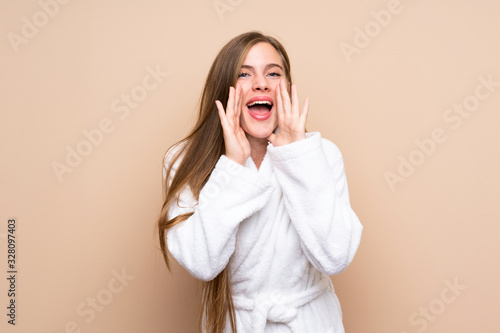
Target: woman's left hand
{"points": [[291, 122]]}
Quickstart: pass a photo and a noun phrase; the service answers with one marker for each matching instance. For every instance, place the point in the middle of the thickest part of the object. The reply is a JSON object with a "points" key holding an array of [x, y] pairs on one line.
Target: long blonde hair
{"points": [[198, 153]]}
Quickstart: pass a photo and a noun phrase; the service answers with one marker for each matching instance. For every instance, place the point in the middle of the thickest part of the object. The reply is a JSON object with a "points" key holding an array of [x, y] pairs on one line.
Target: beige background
{"points": [[437, 227]]}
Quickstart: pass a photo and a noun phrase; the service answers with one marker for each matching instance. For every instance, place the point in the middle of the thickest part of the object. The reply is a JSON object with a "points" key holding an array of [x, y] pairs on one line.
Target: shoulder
{"points": [[174, 150], [173, 155], [331, 150]]}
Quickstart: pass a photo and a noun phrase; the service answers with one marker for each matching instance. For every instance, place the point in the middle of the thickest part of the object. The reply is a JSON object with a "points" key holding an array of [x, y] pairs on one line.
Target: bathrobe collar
{"points": [[266, 167]]}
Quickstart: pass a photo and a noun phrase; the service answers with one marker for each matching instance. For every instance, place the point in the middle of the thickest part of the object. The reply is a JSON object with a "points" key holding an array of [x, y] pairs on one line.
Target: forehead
{"points": [[262, 54]]}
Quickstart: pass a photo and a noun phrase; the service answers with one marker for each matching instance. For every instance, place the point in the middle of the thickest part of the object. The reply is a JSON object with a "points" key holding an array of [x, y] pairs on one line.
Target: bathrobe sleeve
{"points": [[312, 178], [204, 242]]}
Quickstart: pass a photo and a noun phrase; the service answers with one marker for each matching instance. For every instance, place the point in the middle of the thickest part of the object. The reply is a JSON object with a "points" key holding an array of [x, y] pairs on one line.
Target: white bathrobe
{"points": [[282, 229]]}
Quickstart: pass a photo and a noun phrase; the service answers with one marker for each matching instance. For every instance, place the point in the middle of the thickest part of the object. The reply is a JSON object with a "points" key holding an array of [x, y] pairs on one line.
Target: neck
{"points": [[258, 149]]}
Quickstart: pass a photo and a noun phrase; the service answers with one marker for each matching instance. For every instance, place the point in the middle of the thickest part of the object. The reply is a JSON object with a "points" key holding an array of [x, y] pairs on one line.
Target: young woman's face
{"points": [[259, 76]]}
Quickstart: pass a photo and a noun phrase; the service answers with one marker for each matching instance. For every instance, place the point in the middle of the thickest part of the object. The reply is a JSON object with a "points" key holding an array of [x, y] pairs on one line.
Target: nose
{"points": [[260, 83]]}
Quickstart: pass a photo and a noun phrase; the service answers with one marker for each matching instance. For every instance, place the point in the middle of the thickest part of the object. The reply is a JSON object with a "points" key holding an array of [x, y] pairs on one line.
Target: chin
{"points": [[258, 129], [260, 133]]}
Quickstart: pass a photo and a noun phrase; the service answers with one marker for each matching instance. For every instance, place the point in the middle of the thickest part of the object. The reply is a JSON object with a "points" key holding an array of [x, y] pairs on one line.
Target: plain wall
{"points": [[400, 86]]}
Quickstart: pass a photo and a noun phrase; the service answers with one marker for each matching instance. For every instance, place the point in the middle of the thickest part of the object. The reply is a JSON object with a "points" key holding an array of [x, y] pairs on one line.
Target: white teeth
{"points": [[260, 102]]}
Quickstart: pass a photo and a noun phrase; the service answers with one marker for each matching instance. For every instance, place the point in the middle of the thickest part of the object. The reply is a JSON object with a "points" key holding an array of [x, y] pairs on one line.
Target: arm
{"points": [[204, 242], [311, 174]]}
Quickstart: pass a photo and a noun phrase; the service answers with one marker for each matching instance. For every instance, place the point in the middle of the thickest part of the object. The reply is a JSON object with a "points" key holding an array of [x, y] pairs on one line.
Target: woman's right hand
{"points": [[236, 142]]}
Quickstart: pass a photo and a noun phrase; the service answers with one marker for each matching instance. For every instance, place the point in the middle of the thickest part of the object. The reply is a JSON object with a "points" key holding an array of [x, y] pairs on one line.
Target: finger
{"points": [[222, 114], [295, 100], [237, 106], [279, 104], [286, 97], [236, 96], [241, 104], [271, 138], [230, 104], [305, 111]]}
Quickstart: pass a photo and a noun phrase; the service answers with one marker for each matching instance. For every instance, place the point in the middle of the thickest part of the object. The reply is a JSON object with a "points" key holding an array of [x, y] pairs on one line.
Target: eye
{"points": [[274, 74], [243, 74]]}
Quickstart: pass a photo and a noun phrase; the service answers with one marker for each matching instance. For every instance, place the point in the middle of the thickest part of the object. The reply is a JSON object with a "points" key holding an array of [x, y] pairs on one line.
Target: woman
{"points": [[255, 206]]}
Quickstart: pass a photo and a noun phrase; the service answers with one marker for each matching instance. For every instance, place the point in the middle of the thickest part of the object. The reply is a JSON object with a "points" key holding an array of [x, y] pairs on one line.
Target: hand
{"points": [[291, 122], [235, 140]]}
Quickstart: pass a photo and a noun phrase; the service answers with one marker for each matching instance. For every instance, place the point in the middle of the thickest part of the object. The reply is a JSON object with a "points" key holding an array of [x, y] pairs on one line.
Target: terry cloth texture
{"points": [[282, 228]]}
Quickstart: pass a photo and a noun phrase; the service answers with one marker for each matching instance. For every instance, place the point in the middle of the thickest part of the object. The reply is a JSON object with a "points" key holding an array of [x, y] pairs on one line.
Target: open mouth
{"points": [[260, 110]]}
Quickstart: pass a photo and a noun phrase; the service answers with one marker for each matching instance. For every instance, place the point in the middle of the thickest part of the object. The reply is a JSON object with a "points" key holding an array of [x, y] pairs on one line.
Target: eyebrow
{"points": [[265, 68]]}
